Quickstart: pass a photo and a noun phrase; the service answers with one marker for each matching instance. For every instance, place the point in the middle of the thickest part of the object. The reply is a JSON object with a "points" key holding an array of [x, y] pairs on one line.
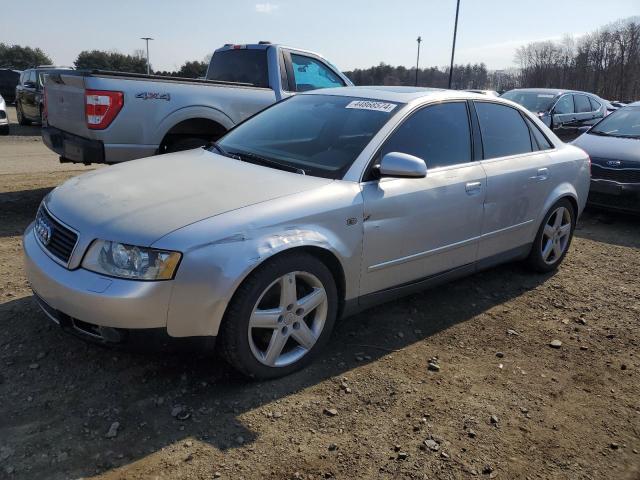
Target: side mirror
{"points": [[402, 165], [29, 84]]}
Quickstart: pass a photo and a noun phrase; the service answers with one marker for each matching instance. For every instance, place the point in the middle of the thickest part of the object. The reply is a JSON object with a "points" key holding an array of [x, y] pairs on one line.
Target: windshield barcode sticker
{"points": [[369, 105]]}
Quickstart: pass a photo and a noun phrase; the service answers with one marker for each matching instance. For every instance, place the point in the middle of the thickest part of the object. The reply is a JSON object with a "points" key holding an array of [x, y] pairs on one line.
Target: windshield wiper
{"points": [[260, 160], [222, 151]]}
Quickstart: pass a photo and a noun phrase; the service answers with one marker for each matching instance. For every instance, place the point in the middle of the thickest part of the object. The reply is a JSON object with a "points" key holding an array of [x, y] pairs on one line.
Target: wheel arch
{"points": [[325, 255], [191, 120]]}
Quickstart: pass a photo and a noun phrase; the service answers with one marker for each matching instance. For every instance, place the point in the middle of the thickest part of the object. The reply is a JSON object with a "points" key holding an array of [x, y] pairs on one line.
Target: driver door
{"points": [[419, 227]]}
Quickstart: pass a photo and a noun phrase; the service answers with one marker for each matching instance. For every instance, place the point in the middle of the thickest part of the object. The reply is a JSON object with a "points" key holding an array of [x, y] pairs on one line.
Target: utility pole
{"points": [[147, 40], [419, 40], [453, 47]]}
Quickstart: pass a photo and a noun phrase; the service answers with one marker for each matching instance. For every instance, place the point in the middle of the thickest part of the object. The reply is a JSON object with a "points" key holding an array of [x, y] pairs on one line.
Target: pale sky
{"points": [[350, 33]]}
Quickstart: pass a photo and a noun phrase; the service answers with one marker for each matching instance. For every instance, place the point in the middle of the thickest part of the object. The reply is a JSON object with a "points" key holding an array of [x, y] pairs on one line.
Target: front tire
{"points": [[280, 317], [553, 238], [21, 118]]}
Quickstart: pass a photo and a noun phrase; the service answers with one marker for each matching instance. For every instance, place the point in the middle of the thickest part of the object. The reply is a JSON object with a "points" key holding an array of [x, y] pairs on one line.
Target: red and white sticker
{"points": [[372, 105]]}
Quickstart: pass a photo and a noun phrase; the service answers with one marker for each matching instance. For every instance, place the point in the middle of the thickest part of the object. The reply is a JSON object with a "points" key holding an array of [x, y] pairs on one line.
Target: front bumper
{"points": [[616, 196], [87, 297]]}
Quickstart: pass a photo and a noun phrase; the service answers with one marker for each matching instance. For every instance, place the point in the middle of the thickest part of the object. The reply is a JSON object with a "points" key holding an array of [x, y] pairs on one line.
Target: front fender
{"points": [[210, 274]]}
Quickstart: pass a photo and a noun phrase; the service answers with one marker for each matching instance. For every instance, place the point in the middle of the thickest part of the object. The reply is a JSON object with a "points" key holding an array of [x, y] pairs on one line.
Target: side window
{"points": [[538, 136], [503, 130], [564, 105], [439, 134], [595, 105], [311, 74], [582, 104], [32, 76]]}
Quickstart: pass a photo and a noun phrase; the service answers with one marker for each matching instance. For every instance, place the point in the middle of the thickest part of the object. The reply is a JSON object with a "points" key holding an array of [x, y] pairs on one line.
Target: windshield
{"points": [[321, 135], [533, 101], [624, 122]]}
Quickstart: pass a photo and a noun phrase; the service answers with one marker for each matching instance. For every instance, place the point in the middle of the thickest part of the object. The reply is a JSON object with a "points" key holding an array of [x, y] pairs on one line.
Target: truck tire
{"points": [[21, 119], [185, 144]]}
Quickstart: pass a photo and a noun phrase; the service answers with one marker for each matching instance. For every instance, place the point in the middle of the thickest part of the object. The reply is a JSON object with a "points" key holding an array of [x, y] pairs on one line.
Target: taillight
{"points": [[101, 107]]}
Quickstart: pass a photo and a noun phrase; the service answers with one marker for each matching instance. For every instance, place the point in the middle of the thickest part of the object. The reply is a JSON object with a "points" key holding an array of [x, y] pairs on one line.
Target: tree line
{"points": [[605, 62]]}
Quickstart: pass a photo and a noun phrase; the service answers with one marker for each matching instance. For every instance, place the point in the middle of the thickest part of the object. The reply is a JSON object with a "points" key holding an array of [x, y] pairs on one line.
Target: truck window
{"points": [[311, 74], [240, 65]]}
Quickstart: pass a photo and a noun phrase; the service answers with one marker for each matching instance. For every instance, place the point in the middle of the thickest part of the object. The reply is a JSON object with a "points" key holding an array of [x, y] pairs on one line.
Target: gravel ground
{"points": [[500, 402]]}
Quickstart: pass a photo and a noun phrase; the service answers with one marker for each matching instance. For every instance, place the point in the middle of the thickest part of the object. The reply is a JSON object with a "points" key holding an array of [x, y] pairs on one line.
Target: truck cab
{"points": [[109, 117]]}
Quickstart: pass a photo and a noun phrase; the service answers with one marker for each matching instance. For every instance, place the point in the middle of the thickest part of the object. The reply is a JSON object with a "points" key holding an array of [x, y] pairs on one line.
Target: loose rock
{"points": [[113, 430], [555, 344]]}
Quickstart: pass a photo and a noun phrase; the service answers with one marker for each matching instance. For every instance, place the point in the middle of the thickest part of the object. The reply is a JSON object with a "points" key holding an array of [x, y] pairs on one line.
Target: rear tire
{"points": [[271, 330], [185, 144], [21, 118], [553, 238]]}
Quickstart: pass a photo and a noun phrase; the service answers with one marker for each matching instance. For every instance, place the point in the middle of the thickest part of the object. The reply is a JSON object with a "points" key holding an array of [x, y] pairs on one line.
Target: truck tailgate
{"points": [[66, 103]]}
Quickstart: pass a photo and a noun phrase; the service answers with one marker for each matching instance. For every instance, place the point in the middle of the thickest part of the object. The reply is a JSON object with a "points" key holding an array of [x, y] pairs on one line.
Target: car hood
{"points": [[597, 146], [143, 200]]}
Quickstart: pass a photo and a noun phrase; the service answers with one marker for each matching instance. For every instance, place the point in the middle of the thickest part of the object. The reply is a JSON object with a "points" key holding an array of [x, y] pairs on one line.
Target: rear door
{"points": [[419, 227], [518, 172], [565, 121], [584, 113]]}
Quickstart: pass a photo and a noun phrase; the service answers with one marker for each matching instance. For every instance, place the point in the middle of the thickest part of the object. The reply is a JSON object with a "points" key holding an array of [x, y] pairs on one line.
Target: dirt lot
{"points": [[503, 405]]}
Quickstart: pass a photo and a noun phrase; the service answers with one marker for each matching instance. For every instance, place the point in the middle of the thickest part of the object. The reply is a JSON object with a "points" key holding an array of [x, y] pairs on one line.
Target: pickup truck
{"points": [[110, 117]]}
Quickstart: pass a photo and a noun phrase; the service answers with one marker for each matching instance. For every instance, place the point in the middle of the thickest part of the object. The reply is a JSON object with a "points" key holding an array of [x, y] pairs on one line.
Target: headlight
{"points": [[128, 261]]}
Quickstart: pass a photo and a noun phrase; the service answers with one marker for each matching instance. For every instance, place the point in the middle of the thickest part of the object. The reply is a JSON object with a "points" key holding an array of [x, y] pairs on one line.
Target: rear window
{"points": [[241, 65], [532, 101]]}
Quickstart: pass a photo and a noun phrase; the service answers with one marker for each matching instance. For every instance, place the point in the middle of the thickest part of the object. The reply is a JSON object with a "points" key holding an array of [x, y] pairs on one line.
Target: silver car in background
{"points": [[318, 207], [4, 119]]}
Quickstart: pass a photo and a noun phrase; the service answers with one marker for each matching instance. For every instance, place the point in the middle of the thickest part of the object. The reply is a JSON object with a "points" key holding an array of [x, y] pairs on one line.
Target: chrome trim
{"points": [[417, 256], [613, 181]]}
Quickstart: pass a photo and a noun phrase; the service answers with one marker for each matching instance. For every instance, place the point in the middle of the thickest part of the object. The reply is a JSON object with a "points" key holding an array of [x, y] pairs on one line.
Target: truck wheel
{"points": [[20, 115], [280, 317], [185, 144]]}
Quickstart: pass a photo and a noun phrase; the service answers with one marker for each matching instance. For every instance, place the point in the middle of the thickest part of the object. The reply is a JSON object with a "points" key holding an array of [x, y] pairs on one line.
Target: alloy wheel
{"points": [[556, 235], [287, 319]]}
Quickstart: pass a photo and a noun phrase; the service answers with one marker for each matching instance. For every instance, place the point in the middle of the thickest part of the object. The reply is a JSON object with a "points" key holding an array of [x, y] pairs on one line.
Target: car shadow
{"points": [[161, 398], [593, 220], [18, 209]]}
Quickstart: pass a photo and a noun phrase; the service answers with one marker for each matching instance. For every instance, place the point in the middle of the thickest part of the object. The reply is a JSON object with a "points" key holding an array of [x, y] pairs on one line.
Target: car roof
{"points": [[554, 91], [395, 93]]}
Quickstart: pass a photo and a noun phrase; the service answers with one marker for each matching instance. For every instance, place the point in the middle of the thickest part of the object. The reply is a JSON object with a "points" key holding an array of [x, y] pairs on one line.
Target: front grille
{"points": [[55, 237], [620, 175]]}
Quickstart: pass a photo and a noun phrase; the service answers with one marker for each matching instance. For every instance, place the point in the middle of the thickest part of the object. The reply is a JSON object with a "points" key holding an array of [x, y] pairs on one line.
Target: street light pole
{"points": [[147, 40], [419, 39], [453, 47]]}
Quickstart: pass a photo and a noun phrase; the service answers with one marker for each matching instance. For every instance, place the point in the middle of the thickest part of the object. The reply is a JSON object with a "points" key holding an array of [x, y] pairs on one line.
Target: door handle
{"points": [[473, 187], [542, 174]]}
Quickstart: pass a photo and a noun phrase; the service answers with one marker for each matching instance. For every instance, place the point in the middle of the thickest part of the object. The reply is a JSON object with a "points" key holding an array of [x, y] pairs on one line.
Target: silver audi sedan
{"points": [[318, 207]]}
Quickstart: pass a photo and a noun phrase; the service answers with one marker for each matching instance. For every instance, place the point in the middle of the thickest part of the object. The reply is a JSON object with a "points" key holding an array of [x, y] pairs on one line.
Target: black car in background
{"points": [[614, 148], [564, 111], [9, 79], [29, 96]]}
